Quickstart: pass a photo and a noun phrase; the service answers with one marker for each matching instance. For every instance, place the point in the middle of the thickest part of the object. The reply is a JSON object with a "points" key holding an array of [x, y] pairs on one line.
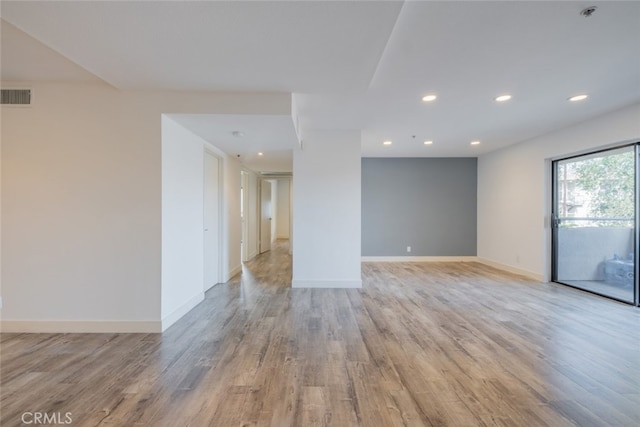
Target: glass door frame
{"points": [[636, 287], [636, 235]]}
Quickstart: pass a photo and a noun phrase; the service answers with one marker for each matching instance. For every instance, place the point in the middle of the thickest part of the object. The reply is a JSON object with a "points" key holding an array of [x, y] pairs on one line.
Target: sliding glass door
{"points": [[594, 223]]}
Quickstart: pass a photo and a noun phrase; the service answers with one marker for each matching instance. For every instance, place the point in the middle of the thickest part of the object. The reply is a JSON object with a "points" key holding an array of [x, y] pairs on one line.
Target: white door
{"points": [[244, 215], [211, 221], [265, 216]]}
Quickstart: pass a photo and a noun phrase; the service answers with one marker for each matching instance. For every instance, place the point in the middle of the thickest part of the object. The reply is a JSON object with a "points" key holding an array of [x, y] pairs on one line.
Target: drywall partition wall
{"points": [[182, 221], [283, 208], [81, 204], [326, 206], [514, 189], [427, 204], [81, 212]]}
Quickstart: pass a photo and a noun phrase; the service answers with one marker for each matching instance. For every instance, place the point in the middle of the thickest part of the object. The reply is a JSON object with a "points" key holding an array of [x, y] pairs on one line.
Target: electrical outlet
{"points": [[408, 248]]}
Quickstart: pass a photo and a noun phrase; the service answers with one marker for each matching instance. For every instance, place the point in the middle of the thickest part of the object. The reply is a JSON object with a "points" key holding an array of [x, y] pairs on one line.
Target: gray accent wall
{"points": [[427, 203]]}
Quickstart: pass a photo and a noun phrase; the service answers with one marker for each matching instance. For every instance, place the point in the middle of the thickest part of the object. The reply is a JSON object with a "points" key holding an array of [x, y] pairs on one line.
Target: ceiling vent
{"points": [[270, 174], [15, 97]]}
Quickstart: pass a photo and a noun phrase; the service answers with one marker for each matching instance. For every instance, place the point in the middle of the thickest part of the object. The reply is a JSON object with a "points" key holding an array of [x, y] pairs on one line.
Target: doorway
{"points": [[595, 223]]}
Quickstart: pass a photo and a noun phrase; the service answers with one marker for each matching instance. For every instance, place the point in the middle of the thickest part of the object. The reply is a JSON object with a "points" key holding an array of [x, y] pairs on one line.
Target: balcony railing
{"points": [[570, 221]]}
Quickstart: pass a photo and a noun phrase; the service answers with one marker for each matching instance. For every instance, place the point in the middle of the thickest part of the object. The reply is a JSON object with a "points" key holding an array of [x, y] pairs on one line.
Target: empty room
{"points": [[319, 213]]}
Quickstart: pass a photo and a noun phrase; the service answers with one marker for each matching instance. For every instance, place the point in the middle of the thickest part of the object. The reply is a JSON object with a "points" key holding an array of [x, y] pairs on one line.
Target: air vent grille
{"points": [[15, 97], [270, 174]]}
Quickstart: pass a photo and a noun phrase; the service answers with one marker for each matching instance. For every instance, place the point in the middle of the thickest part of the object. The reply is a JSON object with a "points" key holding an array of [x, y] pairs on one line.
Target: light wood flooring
{"points": [[422, 344]]}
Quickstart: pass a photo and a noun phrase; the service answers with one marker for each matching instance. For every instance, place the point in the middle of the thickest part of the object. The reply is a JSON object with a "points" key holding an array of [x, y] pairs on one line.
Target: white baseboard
{"points": [[494, 264], [419, 258], [98, 326], [334, 284], [530, 274], [80, 326], [181, 311], [233, 272]]}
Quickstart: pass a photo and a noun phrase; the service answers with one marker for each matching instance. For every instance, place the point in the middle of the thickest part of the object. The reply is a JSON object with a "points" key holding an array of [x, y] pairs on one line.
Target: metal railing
{"points": [[582, 222], [573, 218]]}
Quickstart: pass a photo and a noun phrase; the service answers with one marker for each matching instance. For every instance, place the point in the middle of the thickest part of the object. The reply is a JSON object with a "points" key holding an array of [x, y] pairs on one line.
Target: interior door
{"points": [[244, 199], [265, 216], [211, 221]]}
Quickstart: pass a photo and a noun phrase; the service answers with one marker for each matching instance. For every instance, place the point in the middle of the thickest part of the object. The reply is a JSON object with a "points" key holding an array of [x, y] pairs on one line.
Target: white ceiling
{"points": [[272, 135], [215, 45], [24, 58], [350, 64]]}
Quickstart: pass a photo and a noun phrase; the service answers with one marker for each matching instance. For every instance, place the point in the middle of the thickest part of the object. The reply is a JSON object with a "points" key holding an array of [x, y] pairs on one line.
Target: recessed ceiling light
{"points": [[428, 142], [388, 142], [578, 98], [260, 154], [475, 142], [503, 98], [429, 98]]}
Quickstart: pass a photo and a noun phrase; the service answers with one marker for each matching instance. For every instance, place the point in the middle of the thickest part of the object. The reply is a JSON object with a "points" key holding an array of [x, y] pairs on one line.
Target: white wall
{"points": [[81, 210], [514, 187], [81, 204], [326, 204], [182, 221], [283, 209]]}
